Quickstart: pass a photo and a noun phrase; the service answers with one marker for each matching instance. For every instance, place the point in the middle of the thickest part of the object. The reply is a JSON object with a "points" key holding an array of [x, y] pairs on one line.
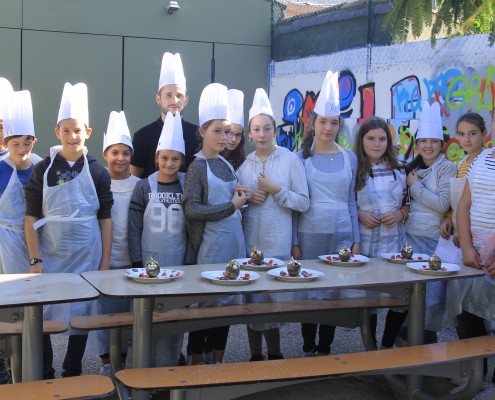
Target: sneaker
{"points": [[311, 353], [275, 357], [323, 354], [4, 374], [106, 370], [257, 357]]}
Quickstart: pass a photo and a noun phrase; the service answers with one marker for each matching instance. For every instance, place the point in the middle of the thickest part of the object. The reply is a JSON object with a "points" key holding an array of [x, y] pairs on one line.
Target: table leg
{"points": [[416, 330], [141, 338], [32, 343]]}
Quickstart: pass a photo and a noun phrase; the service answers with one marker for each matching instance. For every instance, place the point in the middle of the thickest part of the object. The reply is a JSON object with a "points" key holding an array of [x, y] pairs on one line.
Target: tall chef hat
{"points": [[430, 122], [328, 102], [18, 115], [171, 72], [172, 137], [6, 91], [214, 103], [261, 105], [236, 106], [74, 103], [117, 131]]}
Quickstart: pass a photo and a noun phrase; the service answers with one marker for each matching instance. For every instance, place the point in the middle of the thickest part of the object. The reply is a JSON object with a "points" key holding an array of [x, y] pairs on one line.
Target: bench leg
{"points": [[178, 394], [15, 358], [416, 330], [32, 343], [141, 338]]}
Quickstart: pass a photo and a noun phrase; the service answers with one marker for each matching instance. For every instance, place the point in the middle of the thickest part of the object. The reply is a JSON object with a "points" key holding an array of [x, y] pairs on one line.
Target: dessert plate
{"points": [[396, 258], [355, 261], [219, 278], [165, 275], [306, 275], [268, 263], [422, 268]]}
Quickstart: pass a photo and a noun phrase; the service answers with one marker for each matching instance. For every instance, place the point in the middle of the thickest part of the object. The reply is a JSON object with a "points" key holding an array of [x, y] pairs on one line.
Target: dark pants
{"points": [[73, 357], [326, 333], [216, 337]]}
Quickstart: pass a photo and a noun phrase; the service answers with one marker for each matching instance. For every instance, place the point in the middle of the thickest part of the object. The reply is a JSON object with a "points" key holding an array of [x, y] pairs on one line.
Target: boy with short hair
{"points": [[171, 97], [15, 167], [69, 196]]}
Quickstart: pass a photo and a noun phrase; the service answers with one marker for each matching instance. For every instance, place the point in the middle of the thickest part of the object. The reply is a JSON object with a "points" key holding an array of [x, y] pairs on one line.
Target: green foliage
{"points": [[452, 17]]}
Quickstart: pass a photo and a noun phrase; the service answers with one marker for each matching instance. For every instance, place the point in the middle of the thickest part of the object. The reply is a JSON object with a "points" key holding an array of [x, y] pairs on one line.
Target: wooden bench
{"points": [[76, 387], [11, 345], [227, 381], [350, 312]]}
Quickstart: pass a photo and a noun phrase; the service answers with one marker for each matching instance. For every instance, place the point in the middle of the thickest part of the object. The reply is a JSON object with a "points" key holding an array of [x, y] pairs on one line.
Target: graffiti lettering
{"points": [[406, 98], [477, 93]]}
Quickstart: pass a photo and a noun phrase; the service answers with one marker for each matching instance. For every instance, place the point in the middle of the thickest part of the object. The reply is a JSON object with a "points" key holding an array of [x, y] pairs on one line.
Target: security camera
{"points": [[172, 6]]}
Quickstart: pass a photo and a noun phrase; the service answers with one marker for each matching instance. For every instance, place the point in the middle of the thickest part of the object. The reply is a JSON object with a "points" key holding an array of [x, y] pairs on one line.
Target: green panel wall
{"points": [[142, 63], [11, 13], [51, 59], [228, 21], [10, 56]]}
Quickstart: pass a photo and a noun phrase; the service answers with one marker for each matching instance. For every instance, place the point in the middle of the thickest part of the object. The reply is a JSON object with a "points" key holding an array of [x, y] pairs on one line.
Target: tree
{"points": [[449, 18]]}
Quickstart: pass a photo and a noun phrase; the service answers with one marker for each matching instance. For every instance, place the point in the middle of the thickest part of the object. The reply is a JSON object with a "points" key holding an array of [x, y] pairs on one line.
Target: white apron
{"points": [[327, 225], [422, 233], [164, 229], [70, 240], [14, 255], [381, 196], [122, 192], [275, 241], [223, 240]]}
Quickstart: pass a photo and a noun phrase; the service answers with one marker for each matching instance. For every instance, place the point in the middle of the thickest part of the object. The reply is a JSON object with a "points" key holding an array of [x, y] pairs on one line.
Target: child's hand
{"points": [[37, 268], [239, 199], [412, 178], [368, 219], [257, 196], [471, 258], [391, 218], [245, 189], [446, 228], [266, 184]]}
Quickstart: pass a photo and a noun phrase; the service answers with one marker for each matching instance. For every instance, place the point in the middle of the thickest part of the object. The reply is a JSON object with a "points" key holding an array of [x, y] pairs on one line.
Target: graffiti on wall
{"points": [[455, 91]]}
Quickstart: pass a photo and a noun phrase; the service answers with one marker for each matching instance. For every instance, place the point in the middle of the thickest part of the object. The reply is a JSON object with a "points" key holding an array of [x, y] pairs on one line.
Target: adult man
{"points": [[172, 96]]}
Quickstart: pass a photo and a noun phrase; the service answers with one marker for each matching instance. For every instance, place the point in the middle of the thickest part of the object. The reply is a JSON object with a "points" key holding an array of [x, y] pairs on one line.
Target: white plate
{"points": [[165, 275], [299, 278], [355, 261], [447, 268], [219, 278], [246, 263], [396, 258]]}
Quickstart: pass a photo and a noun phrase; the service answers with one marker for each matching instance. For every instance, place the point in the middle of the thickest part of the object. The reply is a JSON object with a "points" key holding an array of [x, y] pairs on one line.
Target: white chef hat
{"points": [[172, 137], [214, 103], [6, 91], [171, 72], [117, 131], [430, 122], [18, 115], [74, 103], [236, 106], [328, 102], [261, 105]]}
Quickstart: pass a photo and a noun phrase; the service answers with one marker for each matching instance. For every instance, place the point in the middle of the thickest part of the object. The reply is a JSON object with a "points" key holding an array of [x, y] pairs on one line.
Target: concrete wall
{"points": [[459, 74], [116, 46]]}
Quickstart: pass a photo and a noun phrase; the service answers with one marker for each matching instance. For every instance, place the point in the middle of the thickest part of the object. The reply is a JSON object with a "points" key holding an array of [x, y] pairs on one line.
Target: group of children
{"points": [[202, 200]]}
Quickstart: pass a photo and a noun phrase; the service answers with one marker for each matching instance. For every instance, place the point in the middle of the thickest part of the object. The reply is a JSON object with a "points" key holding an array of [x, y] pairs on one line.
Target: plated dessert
{"points": [[163, 275]]}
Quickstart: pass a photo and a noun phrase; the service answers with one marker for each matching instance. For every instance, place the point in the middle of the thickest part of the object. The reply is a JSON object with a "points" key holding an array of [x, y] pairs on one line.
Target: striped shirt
{"points": [[481, 177]]}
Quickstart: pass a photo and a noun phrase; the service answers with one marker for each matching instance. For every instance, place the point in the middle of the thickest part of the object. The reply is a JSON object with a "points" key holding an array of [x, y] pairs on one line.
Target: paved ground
{"points": [[346, 340]]}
